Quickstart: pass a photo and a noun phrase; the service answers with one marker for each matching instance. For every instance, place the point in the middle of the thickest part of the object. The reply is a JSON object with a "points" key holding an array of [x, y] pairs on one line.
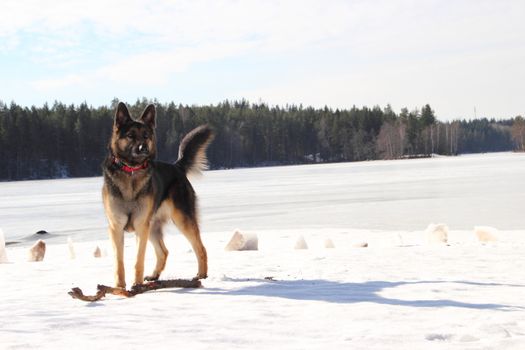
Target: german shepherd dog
{"points": [[141, 194]]}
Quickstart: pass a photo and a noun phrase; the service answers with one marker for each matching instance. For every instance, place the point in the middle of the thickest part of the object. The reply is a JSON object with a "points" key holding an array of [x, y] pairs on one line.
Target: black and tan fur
{"points": [[144, 200]]}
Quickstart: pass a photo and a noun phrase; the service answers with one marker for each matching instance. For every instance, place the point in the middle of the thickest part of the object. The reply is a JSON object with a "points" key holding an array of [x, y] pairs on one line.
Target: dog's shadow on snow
{"points": [[348, 293]]}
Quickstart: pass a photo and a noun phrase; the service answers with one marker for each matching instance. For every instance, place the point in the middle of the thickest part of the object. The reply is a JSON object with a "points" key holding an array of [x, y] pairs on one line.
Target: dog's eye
{"points": [[130, 136], [146, 135]]}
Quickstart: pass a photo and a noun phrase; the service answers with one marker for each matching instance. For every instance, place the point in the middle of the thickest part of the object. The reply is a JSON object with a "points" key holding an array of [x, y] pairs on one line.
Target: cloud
{"points": [[148, 41], [340, 52], [147, 69], [181, 23], [64, 82], [376, 26]]}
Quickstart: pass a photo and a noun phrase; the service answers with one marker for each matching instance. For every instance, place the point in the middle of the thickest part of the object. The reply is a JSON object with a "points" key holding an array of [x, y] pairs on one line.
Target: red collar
{"points": [[129, 169]]}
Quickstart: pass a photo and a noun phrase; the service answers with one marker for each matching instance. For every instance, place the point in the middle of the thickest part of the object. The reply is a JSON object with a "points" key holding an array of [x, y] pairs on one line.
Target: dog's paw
{"points": [[136, 287], [200, 276], [120, 284], [151, 278]]}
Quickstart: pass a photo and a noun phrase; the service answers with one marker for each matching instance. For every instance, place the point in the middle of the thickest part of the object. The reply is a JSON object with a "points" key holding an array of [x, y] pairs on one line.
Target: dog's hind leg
{"points": [[157, 241], [190, 229]]}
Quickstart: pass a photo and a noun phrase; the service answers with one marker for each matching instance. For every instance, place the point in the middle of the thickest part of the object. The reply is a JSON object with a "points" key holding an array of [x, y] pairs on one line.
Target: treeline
{"points": [[70, 141]]}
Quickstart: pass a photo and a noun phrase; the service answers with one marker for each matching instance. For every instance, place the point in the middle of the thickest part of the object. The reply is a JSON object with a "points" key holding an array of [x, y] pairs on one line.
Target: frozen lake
{"points": [[486, 189]]}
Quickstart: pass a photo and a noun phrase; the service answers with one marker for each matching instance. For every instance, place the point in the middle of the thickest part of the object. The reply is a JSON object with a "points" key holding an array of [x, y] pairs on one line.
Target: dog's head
{"points": [[133, 141]]}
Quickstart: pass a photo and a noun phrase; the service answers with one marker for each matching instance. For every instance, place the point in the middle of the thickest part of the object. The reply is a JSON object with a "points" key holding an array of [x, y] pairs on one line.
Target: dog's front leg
{"points": [[142, 240], [117, 240]]}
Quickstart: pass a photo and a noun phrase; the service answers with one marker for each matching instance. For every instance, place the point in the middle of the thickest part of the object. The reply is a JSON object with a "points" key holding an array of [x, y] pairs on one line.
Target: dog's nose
{"points": [[143, 148]]}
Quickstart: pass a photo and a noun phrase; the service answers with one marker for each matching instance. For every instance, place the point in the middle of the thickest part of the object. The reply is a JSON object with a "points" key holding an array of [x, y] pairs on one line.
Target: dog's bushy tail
{"points": [[192, 150]]}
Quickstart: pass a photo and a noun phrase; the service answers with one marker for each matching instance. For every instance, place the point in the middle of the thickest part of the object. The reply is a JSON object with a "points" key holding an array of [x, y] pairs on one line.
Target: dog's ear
{"points": [[122, 115], [148, 116]]}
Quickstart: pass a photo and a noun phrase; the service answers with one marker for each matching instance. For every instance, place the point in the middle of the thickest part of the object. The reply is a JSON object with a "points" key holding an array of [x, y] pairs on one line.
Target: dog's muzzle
{"points": [[142, 149]]}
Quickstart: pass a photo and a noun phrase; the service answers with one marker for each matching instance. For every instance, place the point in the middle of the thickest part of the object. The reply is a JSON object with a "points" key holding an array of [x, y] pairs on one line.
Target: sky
{"points": [[464, 58]]}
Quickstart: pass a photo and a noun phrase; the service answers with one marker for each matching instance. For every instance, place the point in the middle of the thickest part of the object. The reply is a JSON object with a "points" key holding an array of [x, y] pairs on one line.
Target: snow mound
{"points": [[301, 243], [3, 254], [486, 234], [437, 234], [97, 253], [37, 251], [71, 248], [242, 241], [360, 245], [328, 243]]}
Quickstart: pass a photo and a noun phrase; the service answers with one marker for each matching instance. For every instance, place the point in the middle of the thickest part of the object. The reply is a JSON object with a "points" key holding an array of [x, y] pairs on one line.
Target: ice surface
{"points": [[466, 191]]}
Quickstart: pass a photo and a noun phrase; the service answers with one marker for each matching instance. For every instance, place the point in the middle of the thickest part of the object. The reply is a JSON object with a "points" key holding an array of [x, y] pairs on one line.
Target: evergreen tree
{"points": [[69, 141]]}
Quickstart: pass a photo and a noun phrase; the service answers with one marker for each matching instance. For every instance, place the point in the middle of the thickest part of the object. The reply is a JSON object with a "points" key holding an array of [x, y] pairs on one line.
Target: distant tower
{"points": [[475, 114]]}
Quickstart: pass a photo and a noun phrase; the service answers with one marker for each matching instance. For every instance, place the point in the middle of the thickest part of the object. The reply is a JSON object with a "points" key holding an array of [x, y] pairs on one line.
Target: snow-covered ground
{"points": [[397, 293]]}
